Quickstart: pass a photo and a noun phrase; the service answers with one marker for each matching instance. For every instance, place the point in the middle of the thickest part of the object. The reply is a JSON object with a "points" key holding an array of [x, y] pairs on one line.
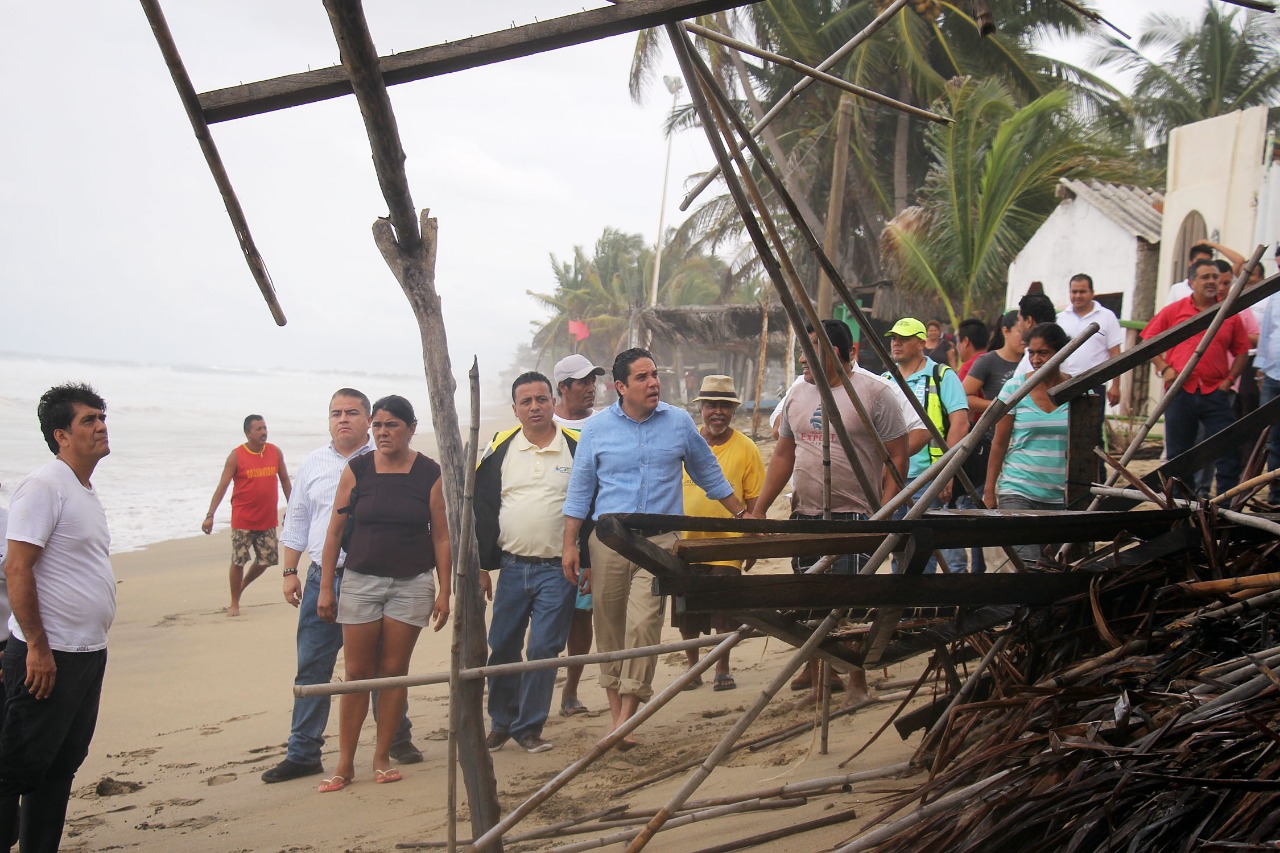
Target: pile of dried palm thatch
{"points": [[1144, 716]]}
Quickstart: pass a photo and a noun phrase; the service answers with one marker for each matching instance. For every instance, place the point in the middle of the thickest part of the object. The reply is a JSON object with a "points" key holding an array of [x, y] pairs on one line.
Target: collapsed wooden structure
{"points": [[407, 240]]}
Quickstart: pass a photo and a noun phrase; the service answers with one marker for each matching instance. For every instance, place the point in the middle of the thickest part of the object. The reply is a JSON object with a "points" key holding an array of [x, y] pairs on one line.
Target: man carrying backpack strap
{"points": [[942, 397]]}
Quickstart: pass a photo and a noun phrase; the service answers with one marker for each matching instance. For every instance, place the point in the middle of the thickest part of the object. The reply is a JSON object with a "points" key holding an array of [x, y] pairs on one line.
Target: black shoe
{"points": [[289, 769], [534, 743], [406, 753], [496, 740]]}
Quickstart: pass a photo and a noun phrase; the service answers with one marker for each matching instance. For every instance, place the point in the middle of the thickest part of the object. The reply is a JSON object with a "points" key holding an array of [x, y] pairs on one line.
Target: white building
{"points": [[1109, 231]]}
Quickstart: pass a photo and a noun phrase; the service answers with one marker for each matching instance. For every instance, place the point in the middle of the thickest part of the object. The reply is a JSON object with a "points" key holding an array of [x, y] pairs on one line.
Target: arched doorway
{"points": [[1191, 231]]}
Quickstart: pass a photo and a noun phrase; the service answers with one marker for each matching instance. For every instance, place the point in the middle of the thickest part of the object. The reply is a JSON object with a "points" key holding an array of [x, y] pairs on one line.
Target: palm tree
{"points": [[990, 187], [610, 290], [1231, 61]]}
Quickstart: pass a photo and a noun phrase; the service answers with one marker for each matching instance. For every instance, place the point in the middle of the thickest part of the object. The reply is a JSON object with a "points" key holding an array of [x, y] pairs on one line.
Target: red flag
{"points": [[578, 329]]}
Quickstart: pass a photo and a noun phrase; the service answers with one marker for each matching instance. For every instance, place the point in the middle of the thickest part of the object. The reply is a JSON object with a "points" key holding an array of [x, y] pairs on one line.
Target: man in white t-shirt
{"points": [[63, 595], [1100, 347], [575, 378]]}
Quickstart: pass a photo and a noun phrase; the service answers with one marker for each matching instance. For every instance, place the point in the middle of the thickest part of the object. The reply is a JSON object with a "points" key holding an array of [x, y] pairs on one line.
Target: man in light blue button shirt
{"points": [[1267, 362], [630, 459]]}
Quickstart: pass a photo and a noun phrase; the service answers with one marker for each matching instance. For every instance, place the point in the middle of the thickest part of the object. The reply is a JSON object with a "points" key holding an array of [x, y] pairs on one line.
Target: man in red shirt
{"points": [[254, 466], [1206, 397]]}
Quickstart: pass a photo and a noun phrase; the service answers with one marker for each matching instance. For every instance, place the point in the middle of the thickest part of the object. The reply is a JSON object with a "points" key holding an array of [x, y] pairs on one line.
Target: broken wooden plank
{"points": [[1077, 386], [325, 83], [704, 594]]}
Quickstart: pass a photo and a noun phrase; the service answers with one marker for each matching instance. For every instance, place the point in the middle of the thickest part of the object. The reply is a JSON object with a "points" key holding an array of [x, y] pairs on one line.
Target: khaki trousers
{"points": [[626, 615]]}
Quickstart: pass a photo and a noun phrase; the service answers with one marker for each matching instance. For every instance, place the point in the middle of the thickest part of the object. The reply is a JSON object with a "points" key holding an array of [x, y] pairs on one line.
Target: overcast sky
{"points": [[114, 239]]}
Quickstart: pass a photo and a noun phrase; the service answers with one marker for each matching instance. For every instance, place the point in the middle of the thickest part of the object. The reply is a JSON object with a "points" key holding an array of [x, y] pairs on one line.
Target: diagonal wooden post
{"points": [[410, 252]]}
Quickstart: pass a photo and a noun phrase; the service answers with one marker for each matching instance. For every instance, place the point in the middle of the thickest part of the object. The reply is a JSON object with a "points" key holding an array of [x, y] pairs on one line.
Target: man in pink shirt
{"points": [[1206, 397]]}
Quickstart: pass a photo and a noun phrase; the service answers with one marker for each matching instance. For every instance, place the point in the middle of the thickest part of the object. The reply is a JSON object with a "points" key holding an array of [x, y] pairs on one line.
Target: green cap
{"points": [[907, 327]]}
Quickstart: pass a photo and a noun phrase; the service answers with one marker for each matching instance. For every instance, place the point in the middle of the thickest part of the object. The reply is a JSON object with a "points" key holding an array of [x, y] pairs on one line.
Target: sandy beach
{"points": [[196, 705]]}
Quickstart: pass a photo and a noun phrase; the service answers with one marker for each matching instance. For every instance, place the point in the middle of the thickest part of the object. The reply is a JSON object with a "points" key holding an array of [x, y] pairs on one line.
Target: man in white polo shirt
{"points": [[63, 595], [520, 489], [1100, 347]]}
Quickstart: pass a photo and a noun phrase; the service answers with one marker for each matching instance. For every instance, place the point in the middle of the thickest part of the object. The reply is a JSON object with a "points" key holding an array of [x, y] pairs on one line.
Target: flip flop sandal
{"points": [[724, 682], [383, 777], [334, 783], [572, 708]]}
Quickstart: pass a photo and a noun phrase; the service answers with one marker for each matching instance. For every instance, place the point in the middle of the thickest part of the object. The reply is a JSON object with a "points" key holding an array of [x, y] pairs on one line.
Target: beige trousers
{"points": [[626, 615]]}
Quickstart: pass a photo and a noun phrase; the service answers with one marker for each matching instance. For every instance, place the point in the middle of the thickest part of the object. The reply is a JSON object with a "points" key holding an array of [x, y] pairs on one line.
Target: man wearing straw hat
{"points": [[743, 467]]}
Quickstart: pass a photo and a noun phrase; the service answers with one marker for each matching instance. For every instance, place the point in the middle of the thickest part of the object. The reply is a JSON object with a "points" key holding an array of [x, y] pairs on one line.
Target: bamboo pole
{"points": [[1134, 479], [1270, 580], [783, 832], [760, 366], [820, 76], [455, 651], [844, 50], [1240, 518], [482, 672], [683, 820], [962, 695], [1223, 312], [723, 748], [951, 801], [494, 835], [835, 199], [1247, 485], [191, 104]]}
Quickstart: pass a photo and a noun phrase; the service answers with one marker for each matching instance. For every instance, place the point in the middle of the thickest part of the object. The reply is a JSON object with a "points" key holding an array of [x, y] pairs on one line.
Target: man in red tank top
{"points": [[254, 467]]}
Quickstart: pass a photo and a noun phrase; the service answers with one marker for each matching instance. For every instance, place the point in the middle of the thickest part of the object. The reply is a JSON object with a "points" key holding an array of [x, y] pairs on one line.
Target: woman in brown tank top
{"points": [[388, 596]]}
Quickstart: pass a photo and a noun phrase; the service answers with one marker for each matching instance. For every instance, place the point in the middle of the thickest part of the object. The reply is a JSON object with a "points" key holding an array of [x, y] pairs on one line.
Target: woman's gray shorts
{"points": [[367, 598]]}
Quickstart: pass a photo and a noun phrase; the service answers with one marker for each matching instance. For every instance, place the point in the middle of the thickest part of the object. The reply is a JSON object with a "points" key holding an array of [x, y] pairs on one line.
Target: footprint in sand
{"points": [[275, 748], [108, 787], [220, 779], [173, 620], [184, 823], [135, 755], [210, 730]]}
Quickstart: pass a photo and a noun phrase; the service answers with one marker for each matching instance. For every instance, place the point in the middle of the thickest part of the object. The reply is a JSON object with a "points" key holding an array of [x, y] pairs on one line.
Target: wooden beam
{"points": [[1084, 416], [190, 102], [702, 593], [1146, 350], [325, 83], [950, 528]]}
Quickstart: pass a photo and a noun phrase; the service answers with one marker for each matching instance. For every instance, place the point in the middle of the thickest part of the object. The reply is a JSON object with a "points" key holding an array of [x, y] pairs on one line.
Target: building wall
{"points": [[1076, 238], [1215, 167]]}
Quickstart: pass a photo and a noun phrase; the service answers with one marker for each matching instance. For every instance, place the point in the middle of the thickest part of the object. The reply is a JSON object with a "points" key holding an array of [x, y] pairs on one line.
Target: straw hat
{"points": [[717, 388]]}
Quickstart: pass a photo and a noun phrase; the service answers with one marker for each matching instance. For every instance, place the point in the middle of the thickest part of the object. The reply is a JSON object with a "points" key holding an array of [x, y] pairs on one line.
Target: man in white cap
{"points": [[575, 378]]}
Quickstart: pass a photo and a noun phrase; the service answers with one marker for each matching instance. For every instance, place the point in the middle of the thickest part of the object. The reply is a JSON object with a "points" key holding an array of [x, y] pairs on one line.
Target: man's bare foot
{"points": [[857, 697], [807, 701], [233, 610]]}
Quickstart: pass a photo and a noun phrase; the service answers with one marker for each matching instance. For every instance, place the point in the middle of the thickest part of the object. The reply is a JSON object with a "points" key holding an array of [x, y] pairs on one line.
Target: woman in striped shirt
{"points": [[1027, 468]]}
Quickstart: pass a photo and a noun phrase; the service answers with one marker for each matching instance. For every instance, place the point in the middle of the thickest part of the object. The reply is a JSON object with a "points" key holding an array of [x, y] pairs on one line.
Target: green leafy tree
{"points": [[1229, 61], [610, 291], [991, 185]]}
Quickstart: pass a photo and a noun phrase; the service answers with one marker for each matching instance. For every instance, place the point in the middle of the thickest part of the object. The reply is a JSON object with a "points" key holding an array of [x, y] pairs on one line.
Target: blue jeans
{"points": [[1271, 390], [1186, 414], [955, 557], [318, 645], [535, 597]]}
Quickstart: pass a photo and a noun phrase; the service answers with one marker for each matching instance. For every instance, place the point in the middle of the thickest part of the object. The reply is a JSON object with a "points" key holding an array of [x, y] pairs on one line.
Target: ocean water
{"points": [[172, 426]]}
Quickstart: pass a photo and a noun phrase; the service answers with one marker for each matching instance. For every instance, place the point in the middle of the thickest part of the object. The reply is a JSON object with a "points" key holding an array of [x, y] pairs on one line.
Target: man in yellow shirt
{"points": [[743, 467]]}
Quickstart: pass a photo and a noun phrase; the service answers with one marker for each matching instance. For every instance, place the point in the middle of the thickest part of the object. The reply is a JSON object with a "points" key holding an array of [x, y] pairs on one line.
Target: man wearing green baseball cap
{"points": [[942, 397]]}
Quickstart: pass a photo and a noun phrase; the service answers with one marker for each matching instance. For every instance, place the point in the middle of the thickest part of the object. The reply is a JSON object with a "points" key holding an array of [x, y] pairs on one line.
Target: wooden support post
{"points": [[761, 362], [409, 249], [191, 103], [1083, 416]]}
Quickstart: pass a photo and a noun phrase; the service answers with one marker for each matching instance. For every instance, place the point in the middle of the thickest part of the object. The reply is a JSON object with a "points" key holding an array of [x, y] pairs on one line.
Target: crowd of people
{"points": [[368, 512]]}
